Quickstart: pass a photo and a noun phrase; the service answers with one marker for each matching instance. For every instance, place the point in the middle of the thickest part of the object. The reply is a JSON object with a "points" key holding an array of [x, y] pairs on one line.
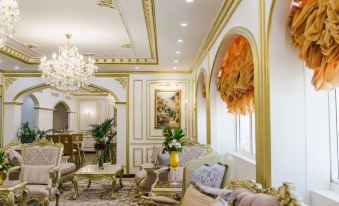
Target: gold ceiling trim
{"points": [[108, 3], [149, 13], [87, 94], [225, 13]]}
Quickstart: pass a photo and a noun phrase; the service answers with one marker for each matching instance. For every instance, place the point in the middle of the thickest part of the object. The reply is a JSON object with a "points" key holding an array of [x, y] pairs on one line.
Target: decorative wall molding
{"points": [[9, 81], [122, 81], [108, 3]]}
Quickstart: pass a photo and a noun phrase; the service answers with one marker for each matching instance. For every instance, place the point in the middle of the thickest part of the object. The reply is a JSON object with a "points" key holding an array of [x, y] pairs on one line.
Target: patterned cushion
{"points": [[163, 159], [226, 194], [157, 149], [39, 190], [193, 197], [191, 153], [210, 176], [14, 158], [33, 174], [66, 168], [37, 155]]}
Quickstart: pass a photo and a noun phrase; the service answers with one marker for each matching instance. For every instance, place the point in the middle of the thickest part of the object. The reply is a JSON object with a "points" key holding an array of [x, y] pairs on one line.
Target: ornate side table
{"points": [[165, 188], [12, 190], [93, 172]]}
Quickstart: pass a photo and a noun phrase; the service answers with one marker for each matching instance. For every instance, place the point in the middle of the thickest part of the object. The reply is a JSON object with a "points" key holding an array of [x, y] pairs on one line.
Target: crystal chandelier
{"points": [[69, 71], [9, 14]]}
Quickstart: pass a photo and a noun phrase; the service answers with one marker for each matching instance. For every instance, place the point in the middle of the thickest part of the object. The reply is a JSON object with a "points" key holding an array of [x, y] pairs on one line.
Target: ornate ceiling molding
{"points": [[149, 14], [108, 3]]}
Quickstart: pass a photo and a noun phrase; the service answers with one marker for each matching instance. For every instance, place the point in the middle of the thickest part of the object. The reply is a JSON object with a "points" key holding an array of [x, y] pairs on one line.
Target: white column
{"points": [[12, 114], [121, 134]]}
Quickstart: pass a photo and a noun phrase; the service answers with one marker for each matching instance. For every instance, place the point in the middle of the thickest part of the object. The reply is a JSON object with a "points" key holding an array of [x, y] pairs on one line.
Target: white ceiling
{"points": [[102, 31]]}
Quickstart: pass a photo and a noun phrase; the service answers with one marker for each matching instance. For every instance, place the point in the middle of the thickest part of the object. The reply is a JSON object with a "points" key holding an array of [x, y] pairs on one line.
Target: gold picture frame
{"points": [[167, 108]]}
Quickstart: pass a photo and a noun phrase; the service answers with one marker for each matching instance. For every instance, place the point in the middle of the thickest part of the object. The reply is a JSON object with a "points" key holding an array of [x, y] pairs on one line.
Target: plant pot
{"points": [[174, 159], [1, 177], [101, 159]]}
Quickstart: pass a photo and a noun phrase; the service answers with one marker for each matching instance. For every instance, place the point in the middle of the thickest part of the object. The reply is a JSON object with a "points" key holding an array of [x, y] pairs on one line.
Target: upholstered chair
{"points": [[40, 169], [211, 170], [146, 177]]}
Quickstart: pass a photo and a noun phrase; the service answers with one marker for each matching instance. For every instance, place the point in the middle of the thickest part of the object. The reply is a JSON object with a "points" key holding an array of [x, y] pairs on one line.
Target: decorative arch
{"points": [[40, 86], [201, 105], [35, 100], [64, 103]]}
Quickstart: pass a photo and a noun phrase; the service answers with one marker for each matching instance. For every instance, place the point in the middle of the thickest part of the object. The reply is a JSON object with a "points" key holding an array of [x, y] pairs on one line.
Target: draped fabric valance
{"points": [[236, 80], [315, 33]]}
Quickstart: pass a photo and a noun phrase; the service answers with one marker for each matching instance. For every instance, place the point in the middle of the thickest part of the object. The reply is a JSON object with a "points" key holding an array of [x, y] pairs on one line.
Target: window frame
{"points": [[251, 123]]}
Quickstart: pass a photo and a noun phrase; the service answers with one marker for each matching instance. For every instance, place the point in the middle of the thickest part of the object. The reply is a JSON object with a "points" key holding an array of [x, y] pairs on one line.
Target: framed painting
{"points": [[167, 109]]}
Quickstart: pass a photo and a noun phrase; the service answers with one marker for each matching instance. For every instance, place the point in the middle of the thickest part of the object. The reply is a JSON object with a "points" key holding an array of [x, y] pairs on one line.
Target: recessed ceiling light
{"points": [[136, 67], [178, 52], [174, 67], [189, 1], [176, 61], [16, 67], [180, 40], [183, 24]]}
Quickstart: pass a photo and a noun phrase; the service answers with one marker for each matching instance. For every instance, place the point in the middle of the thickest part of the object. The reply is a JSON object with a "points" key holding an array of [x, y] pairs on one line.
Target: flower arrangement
{"points": [[174, 139], [4, 164], [103, 134]]}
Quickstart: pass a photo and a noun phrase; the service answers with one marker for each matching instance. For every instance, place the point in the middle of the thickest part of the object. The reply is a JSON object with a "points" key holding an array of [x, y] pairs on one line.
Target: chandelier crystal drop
{"points": [[69, 70], [9, 14]]}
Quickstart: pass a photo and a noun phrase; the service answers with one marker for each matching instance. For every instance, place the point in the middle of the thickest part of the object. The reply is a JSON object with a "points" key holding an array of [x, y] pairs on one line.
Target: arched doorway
{"points": [[226, 120], [201, 108], [28, 111], [60, 117]]}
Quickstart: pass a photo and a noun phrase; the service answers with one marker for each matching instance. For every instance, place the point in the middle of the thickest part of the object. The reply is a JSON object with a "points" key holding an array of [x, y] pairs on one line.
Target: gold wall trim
{"points": [[149, 14], [89, 95], [208, 102], [43, 108], [225, 13], [9, 81], [100, 73], [13, 103], [28, 90]]}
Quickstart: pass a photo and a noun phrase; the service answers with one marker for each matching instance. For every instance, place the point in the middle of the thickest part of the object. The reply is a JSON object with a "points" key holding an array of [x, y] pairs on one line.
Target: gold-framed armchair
{"points": [[40, 169], [148, 173]]}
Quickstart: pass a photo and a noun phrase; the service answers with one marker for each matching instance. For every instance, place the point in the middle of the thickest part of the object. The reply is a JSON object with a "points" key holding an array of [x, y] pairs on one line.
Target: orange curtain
{"points": [[315, 34], [236, 80]]}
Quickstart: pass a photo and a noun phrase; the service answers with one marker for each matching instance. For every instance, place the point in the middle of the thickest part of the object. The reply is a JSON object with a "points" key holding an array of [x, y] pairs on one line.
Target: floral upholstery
{"points": [[244, 197], [37, 155], [157, 149], [191, 153], [66, 168], [39, 190], [35, 174], [14, 157], [210, 176]]}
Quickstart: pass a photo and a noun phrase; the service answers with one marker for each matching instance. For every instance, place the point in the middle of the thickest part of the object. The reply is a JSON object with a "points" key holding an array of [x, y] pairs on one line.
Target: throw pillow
{"points": [[193, 197], [163, 159], [226, 194], [35, 174], [14, 158], [219, 201], [210, 175]]}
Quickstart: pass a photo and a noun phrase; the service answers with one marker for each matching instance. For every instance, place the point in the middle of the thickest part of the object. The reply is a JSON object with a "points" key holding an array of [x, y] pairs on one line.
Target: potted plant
{"points": [[4, 165], [103, 136], [173, 143], [26, 134]]}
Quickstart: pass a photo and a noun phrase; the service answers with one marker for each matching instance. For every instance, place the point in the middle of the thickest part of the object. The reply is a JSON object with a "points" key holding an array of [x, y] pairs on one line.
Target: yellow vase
{"points": [[1, 176], [174, 159]]}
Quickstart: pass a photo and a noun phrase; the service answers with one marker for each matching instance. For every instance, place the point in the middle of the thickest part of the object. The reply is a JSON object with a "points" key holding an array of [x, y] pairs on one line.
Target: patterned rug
{"points": [[91, 196]]}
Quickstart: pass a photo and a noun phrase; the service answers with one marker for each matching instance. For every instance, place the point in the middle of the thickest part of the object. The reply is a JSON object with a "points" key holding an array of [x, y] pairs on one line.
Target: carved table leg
{"points": [[113, 196], [89, 183], [76, 189], [121, 175]]}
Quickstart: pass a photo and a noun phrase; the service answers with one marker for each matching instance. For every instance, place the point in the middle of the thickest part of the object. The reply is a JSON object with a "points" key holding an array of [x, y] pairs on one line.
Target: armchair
{"points": [[211, 170], [146, 177], [40, 169]]}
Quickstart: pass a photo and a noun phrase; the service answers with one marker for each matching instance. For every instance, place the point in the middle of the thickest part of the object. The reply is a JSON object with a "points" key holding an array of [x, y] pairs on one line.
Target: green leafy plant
{"points": [[28, 135], [101, 133], [4, 164], [174, 139]]}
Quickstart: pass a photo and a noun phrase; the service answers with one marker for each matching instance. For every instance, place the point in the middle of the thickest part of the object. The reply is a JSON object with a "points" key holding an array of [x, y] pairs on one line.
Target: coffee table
{"points": [[165, 188], [93, 172], [12, 190]]}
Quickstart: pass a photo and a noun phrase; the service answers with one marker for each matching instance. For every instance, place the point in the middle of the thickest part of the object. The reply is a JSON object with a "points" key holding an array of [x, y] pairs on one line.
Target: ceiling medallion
{"points": [[9, 14], [69, 70], [108, 3]]}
